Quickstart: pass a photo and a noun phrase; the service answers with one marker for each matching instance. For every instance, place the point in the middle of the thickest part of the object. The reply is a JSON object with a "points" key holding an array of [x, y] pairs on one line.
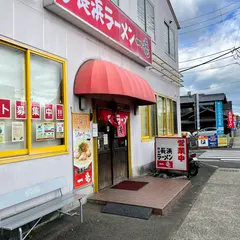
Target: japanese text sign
{"points": [[219, 117], [59, 111], [118, 120], [230, 119], [5, 108], [171, 153], [108, 20], [20, 109], [36, 110], [48, 111]]}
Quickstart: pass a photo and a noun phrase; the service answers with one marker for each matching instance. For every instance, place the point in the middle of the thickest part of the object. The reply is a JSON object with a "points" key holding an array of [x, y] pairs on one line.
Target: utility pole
{"points": [[197, 112]]}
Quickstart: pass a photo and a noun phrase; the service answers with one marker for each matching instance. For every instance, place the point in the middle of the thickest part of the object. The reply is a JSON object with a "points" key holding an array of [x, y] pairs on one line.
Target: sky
{"points": [[220, 32]]}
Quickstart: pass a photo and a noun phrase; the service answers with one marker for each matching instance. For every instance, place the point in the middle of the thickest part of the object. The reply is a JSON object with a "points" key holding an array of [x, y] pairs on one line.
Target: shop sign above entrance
{"points": [[105, 21]]}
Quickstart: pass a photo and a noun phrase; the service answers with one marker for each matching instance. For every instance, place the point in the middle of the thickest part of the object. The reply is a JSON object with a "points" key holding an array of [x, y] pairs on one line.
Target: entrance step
{"points": [[159, 194]]}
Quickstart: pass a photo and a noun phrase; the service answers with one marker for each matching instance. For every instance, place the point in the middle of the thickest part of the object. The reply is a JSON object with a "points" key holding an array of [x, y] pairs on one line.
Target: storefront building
{"points": [[85, 86]]}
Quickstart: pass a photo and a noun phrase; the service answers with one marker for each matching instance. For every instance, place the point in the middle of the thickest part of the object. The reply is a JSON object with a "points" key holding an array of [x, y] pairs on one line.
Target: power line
{"points": [[209, 88], [205, 39], [209, 25], [217, 60], [209, 60], [189, 60], [209, 12], [211, 68], [188, 26]]}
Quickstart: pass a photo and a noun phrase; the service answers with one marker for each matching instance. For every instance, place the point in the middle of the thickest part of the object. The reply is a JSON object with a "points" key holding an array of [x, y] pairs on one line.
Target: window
{"points": [[160, 116], [144, 113], [153, 118], [148, 121], [169, 116], [175, 118], [146, 17], [33, 100], [12, 81], [169, 41], [159, 119], [115, 2]]}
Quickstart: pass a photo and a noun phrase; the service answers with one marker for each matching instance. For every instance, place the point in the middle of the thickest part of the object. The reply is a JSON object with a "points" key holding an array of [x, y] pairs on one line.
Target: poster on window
{"points": [[45, 131], [20, 109], [2, 132], [171, 153], [83, 149], [60, 130], [17, 131]]}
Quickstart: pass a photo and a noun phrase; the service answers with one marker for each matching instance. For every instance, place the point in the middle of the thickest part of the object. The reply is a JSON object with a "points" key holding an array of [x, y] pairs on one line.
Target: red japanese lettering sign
{"points": [[171, 153], [36, 110], [106, 18], [59, 111], [5, 108], [48, 111], [230, 119], [118, 120], [20, 109]]}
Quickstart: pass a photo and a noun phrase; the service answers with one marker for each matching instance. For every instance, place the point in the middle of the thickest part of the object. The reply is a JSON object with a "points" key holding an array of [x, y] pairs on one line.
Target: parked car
{"points": [[209, 131]]}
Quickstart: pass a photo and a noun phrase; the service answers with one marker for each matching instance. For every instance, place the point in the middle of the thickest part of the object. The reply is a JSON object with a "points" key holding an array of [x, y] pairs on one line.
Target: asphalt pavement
{"points": [[216, 213], [99, 226]]}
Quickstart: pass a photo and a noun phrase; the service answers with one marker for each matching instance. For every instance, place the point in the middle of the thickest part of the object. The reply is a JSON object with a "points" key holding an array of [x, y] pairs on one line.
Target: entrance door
{"points": [[112, 156]]}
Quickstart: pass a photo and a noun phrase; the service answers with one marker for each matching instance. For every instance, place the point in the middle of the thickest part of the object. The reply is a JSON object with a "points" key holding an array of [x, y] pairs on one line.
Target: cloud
{"points": [[218, 76], [185, 8]]}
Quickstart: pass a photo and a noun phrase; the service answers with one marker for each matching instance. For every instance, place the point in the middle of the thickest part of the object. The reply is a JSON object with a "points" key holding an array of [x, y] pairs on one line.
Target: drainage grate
{"points": [[228, 170]]}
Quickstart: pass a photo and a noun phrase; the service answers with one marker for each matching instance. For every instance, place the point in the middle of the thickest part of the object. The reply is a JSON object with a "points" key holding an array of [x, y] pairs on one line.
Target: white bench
{"points": [[36, 213]]}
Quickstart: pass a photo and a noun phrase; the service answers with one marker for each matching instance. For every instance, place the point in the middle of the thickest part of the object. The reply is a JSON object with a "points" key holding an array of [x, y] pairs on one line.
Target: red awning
{"points": [[98, 77]]}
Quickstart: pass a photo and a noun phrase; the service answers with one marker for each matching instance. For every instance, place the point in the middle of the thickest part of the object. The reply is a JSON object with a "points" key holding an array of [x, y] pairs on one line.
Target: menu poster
{"points": [[83, 149], [45, 131], [60, 130], [2, 132], [17, 131]]}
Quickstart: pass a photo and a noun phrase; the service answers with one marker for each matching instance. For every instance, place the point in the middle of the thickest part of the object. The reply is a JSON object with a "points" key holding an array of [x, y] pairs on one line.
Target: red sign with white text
{"points": [[48, 111], [108, 19], [5, 108], [230, 119], [36, 110], [20, 109], [59, 111]]}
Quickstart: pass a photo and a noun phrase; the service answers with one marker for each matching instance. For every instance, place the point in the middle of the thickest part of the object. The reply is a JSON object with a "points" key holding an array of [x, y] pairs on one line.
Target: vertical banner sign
{"points": [[171, 153], [83, 150], [235, 122], [230, 120], [219, 118]]}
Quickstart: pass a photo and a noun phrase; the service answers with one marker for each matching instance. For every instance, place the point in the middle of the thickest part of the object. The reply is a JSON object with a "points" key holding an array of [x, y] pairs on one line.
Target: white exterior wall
{"points": [[28, 22]]}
